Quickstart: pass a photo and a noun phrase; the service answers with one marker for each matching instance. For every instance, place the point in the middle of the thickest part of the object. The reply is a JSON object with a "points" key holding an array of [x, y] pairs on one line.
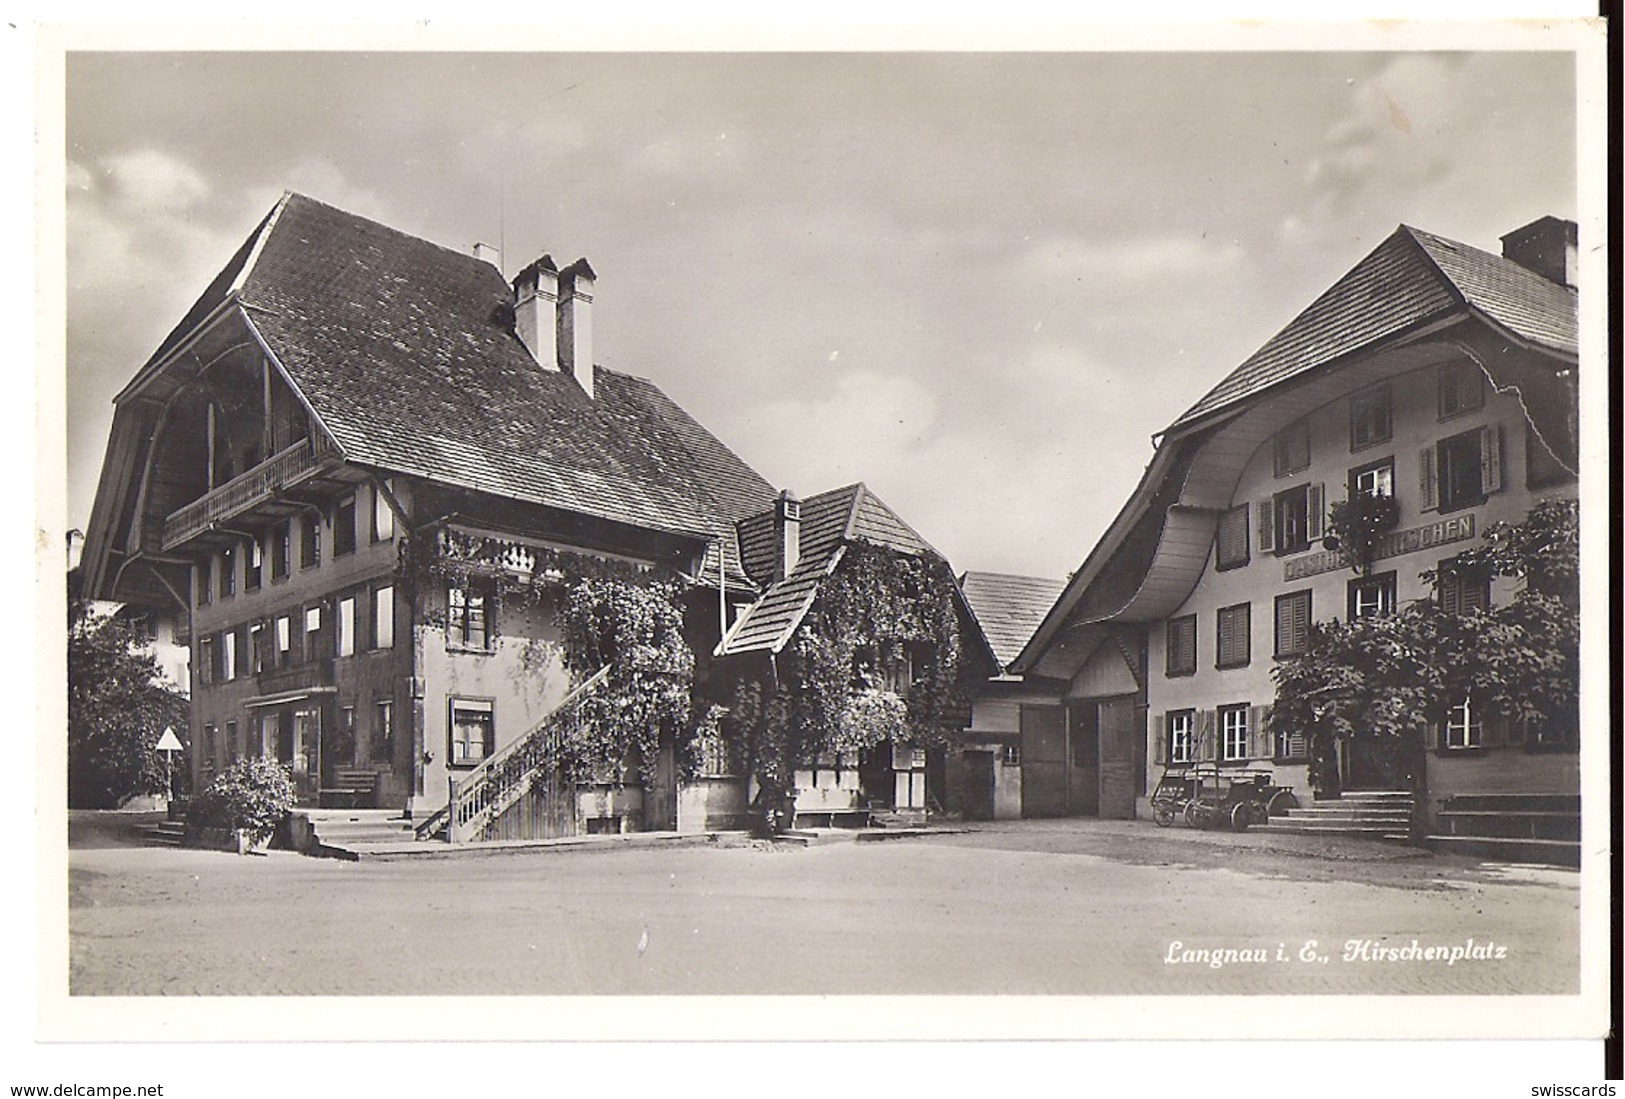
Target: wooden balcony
{"points": [[282, 470], [310, 675]]}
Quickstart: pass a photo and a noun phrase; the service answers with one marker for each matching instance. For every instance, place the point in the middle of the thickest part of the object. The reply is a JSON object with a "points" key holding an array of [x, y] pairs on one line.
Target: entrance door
{"points": [[307, 753], [1043, 761], [1373, 764], [976, 785], [1118, 736]]}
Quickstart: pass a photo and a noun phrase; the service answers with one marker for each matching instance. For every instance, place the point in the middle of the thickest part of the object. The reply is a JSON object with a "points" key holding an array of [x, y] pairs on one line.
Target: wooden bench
{"points": [[831, 818], [353, 788]]}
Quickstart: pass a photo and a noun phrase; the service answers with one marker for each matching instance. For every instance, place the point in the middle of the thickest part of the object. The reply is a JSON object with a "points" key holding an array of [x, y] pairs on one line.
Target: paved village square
{"points": [[1056, 907]]}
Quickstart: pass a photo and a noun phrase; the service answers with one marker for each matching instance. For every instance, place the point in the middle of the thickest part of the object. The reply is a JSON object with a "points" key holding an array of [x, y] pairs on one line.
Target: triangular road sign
{"points": [[169, 742]]}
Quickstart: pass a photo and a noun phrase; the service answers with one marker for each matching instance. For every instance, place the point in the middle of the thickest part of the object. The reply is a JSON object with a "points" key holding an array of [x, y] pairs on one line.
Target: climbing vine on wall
{"points": [[827, 691], [611, 613]]}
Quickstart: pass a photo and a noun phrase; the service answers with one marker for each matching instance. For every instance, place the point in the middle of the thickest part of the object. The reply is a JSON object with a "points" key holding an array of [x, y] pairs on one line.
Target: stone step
{"points": [[1337, 828], [165, 833], [1347, 812], [1564, 853]]}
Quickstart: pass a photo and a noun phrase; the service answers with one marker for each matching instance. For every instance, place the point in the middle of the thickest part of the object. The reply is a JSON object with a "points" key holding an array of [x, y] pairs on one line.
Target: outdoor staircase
{"points": [[489, 803], [351, 833], [1361, 814], [1526, 828], [165, 833]]}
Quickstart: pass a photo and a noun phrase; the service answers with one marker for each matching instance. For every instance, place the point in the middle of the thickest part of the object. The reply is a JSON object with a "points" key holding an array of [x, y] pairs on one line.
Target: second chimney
{"points": [[787, 534], [536, 309], [1550, 247], [575, 322]]}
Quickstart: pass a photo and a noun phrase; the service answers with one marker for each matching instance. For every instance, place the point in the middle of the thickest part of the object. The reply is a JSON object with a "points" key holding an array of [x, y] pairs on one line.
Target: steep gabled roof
{"points": [[1008, 608], [830, 522], [1412, 281], [1408, 281], [406, 354]]}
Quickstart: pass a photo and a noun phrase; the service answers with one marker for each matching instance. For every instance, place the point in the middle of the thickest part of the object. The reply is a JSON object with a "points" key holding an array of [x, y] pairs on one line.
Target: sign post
{"points": [[169, 744]]}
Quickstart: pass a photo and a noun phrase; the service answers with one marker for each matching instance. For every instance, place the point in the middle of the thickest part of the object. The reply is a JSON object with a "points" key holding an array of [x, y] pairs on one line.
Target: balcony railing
{"points": [[295, 677], [242, 492]]}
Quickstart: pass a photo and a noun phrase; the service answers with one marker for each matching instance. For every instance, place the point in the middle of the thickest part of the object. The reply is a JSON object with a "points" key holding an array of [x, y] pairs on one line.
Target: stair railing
{"points": [[483, 794]]}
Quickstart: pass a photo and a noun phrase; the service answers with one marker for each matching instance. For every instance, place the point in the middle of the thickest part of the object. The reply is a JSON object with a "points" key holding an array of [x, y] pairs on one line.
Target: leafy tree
{"points": [[118, 707], [1386, 678]]}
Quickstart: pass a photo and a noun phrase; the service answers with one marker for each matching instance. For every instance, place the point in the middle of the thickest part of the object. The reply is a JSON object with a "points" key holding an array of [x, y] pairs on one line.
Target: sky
{"points": [[978, 282]]}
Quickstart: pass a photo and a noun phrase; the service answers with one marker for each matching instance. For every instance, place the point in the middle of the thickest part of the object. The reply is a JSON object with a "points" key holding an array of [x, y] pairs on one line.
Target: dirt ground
{"points": [[1031, 907]]}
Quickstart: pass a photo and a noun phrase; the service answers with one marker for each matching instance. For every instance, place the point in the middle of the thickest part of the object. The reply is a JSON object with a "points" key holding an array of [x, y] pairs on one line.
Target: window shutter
{"points": [[1255, 734], [1489, 452], [1428, 463], [1449, 590], [1266, 526], [1317, 511], [1206, 748], [1297, 746], [1159, 741], [1493, 731]]}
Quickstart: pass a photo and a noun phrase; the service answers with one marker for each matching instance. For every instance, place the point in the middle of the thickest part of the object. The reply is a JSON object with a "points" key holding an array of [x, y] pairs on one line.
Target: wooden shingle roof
{"points": [[1410, 280], [406, 353], [829, 522], [1009, 608]]}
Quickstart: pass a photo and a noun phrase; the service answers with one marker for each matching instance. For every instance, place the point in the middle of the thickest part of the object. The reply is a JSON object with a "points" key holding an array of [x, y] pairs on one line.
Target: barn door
{"points": [[1119, 734]]}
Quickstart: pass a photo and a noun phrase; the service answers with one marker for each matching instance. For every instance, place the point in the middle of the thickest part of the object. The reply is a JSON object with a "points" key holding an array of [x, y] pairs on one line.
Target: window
{"points": [[310, 541], [252, 564], [1290, 747], [1462, 469], [1370, 596], [1376, 479], [256, 646], [205, 660], [203, 581], [383, 516], [1293, 613], [280, 537], [1234, 634], [208, 748], [313, 632], [1296, 518], [1292, 449], [284, 641], [345, 639], [1462, 728], [344, 527], [1461, 389], [383, 617], [231, 739], [898, 674], [1012, 755], [1462, 590], [229, 642], [1231, 542], [228, 572], [1181, 736], [1371, 419], [1233, 733], [383, 730], [1182, 645], [472, 732], [344, 748], [468, 617]]}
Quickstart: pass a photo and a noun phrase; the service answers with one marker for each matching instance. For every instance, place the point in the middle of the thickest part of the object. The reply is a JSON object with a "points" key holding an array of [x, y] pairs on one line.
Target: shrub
{"points": [[251, 796]]}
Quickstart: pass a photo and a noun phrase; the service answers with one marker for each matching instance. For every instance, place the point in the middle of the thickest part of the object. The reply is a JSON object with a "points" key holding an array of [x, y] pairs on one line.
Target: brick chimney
{"points": [[575, 285], [1550, 247], [786, 534], [488, 254], [536, 311]]}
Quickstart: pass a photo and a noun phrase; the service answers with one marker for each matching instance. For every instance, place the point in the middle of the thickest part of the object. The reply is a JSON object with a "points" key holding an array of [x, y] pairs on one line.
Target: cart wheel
{"points": [[1281, 802], [1193, 815], [1163, 815], [1241, 815]]}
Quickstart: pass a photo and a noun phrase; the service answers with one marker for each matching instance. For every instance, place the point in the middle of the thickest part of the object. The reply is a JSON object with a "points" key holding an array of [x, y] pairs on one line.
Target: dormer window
{"points": [[1292, 449]]}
